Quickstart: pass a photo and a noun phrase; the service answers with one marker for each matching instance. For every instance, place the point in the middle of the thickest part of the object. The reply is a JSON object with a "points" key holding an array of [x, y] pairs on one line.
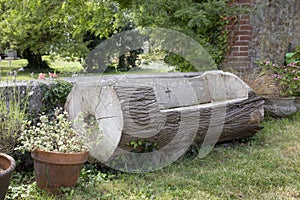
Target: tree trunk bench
{"points": [[166, 110]]}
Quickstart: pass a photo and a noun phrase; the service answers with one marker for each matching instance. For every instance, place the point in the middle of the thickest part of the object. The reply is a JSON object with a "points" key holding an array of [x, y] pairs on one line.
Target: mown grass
{"points": [[59, 65], [64, 66], [67, 67], [266, 166], [7, 70]]}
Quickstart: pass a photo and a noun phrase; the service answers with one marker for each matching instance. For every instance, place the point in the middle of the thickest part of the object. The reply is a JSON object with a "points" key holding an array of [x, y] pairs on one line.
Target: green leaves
{"points": [[55, 26], [55, 94], [202, 20], [52, 134]]}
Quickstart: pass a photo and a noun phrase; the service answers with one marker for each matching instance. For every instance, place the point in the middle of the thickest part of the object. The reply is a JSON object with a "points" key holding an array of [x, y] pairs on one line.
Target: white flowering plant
{"points": [[54, 134]]}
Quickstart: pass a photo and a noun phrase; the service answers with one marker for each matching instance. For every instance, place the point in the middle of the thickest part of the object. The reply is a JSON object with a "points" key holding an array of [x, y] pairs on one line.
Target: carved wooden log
{"points": [[168, 110]]}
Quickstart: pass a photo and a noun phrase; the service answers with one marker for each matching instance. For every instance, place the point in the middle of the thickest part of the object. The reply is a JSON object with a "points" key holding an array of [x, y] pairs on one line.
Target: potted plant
{"points": [[286, 80], [58, 151], [12, 113], [13, 109], [7, 166]]}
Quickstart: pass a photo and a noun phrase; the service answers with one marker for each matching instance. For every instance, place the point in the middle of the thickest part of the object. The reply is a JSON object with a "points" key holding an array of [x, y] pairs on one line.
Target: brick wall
{"points": [[239, 56], [265, 33]]}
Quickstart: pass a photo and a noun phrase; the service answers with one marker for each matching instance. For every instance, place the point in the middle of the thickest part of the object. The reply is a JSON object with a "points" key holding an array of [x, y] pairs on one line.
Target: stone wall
{"points": [[276, 25], [267, 33], [11, 90]]}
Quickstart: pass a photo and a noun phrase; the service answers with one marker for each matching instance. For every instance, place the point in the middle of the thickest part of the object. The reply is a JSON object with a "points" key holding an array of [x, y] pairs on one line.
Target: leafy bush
{"points": [[204, 21], [296, 55], [55, 94], [52, 134], [180, 63]]}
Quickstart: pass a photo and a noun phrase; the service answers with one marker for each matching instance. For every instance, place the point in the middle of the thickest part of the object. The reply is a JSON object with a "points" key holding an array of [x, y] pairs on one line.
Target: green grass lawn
{"points": [[66, 68], [7, 68], [267, 166]]}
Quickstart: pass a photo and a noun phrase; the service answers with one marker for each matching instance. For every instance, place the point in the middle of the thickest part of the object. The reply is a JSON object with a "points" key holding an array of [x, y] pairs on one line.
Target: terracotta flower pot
{"points": [[56, 170], [280, 106], [8, 165]]}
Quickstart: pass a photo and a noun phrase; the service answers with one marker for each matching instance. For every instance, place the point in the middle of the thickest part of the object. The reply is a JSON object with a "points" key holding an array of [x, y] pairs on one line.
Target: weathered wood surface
{"points": [[177, 108]]}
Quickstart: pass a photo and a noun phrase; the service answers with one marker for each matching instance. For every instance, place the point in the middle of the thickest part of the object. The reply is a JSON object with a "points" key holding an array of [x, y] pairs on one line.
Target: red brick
{"points": [[234, 49], [244, 33], [246, 28], [240, 53], [243, 48], [244, 17], [245, 38], [244, 22], [241, 43]]}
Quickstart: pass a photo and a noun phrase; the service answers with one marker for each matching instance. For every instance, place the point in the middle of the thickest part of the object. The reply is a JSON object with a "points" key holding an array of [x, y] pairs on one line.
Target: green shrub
{"points": [[296, 55], [205, 21], [180, 63], [55, 95]]}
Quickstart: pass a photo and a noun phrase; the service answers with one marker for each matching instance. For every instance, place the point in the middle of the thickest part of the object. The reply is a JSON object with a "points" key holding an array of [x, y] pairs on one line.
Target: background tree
{"points": [[36, 28], [203, 20]]}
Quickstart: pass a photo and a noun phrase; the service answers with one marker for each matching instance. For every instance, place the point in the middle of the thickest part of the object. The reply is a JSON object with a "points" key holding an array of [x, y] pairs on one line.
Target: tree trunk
{"points": [[167, 112], [34, 60]]}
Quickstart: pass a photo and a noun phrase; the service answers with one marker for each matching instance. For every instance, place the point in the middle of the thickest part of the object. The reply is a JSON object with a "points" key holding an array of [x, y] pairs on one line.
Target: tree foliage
{"points": [[55, 26], [203, 20], [71, 27]]}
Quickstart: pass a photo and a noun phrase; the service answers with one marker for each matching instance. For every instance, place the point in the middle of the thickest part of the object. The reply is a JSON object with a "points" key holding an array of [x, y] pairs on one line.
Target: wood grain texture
{"points": [[167, 108]]}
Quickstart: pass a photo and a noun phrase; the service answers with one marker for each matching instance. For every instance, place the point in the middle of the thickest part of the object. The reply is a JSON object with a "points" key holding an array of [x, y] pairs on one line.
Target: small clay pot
{"points": [[55, 170], [8, 165]]}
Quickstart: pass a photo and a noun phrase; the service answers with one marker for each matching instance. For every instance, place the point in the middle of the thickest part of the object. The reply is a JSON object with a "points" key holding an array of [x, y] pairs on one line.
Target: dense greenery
{"points": [[267, 166], [72, 28], [55, 94], [296, 55], [203, 20], [36, 28]]}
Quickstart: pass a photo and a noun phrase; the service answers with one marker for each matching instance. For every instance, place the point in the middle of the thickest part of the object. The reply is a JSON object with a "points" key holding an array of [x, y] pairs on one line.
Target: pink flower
{"points": [[291, 64], [296, 79], [268, 62], [277, 76], [52, 75], [41, 76]]}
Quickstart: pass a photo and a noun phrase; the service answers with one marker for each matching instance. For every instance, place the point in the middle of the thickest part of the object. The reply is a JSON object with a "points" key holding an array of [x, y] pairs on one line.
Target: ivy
{"points": [[55, 95]]}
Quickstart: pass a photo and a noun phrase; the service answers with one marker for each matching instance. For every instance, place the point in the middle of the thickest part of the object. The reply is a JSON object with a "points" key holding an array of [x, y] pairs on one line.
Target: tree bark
{"points": [[34, 60], [164, 109]]}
